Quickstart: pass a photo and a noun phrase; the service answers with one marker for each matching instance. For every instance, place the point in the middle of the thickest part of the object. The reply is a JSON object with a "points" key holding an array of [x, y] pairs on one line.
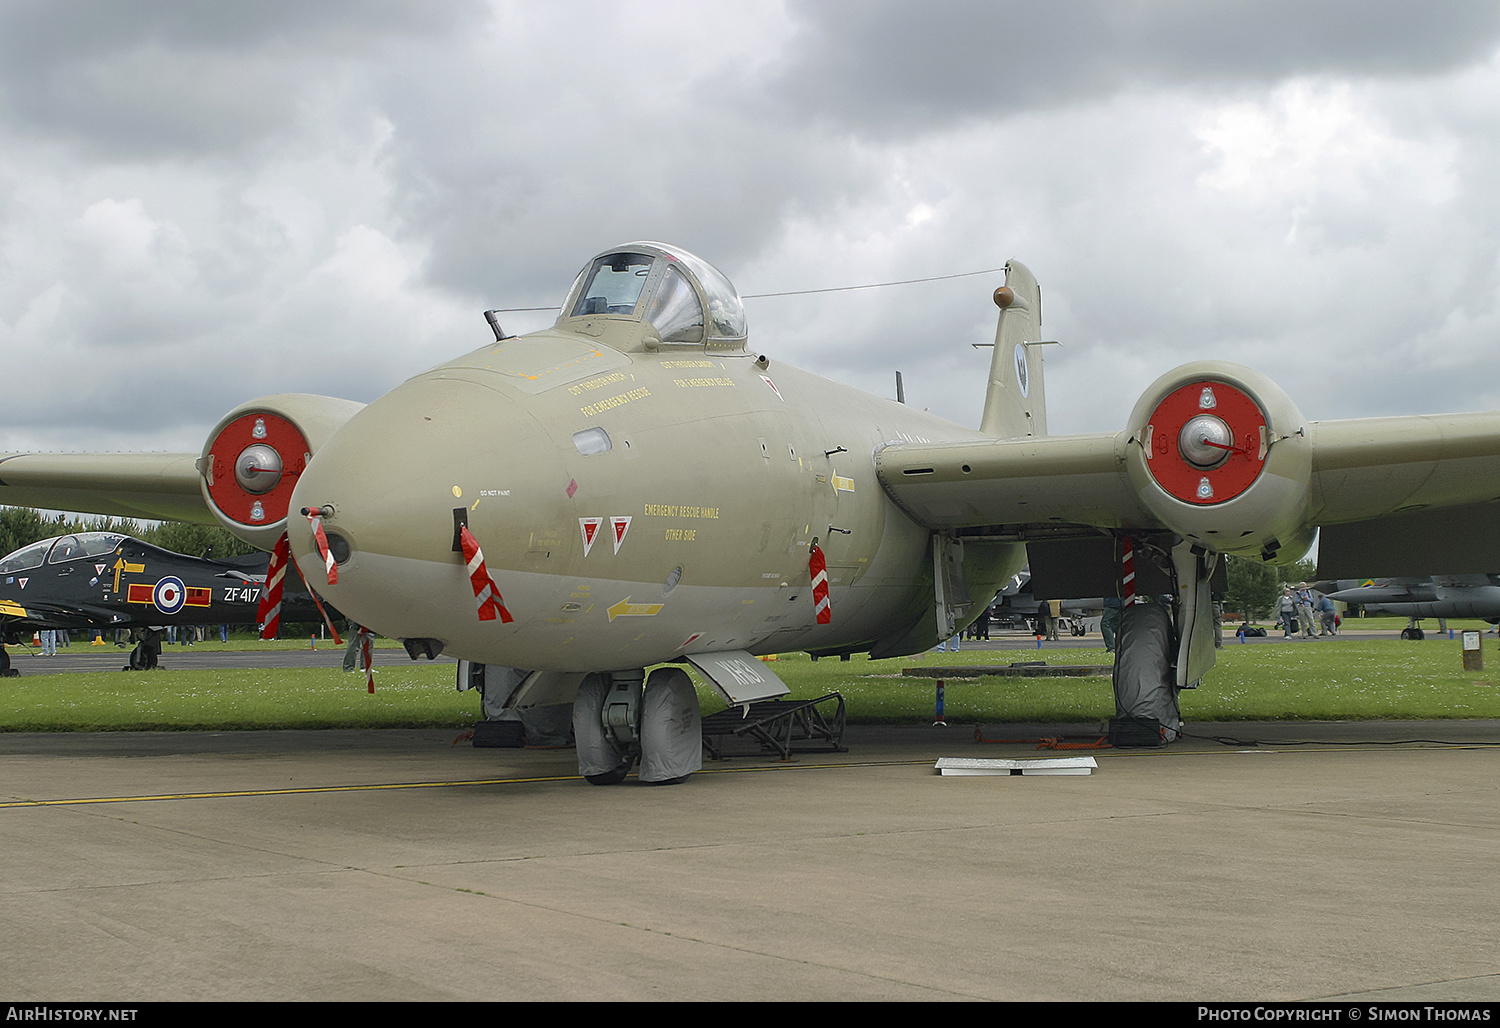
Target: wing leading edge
{"points": [[1429, 486], [157, 486]]}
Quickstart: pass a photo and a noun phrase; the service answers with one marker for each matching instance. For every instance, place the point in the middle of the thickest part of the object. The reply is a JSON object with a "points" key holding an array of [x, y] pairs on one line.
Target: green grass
{"points": [[1315, 681], [406, 696], [1349, 679]]}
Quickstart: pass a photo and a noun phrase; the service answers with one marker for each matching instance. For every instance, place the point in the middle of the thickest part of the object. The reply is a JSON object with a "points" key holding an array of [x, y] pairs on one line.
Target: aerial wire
{"points": [[806, 292], [874, 285]]}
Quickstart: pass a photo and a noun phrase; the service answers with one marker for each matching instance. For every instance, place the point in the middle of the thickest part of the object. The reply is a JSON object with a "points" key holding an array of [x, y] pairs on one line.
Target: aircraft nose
{"points": [[385, 490]]}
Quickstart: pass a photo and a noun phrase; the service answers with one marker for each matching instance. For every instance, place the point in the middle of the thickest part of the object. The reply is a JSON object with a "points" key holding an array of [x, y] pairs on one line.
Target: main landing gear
{"points": [[147, 651], [618, 720]]}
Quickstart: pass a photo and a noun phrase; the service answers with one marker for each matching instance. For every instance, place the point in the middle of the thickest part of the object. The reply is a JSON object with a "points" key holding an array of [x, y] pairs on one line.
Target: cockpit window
{"points": [[687, 300], [66, 548], [675, 311], [26, 558], [614, 284], [725, 310], [84, 544]]}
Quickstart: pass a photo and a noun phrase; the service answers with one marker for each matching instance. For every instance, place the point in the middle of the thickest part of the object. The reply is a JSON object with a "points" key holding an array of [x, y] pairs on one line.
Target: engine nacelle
{"points": [[1220, 454], [255, 454]]}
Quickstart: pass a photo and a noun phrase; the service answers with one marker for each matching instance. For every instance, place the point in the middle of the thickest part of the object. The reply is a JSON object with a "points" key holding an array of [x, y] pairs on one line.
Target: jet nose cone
{"points": [[384, 490]]}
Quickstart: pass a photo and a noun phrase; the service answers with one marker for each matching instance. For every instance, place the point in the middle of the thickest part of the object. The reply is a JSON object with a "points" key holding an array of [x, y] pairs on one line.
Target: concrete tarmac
{"points": [[393, 865]]}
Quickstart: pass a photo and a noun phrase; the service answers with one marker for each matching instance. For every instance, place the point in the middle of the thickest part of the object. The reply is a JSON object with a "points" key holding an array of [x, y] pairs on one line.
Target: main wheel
{"points": [[599, 760], [614, 777]]}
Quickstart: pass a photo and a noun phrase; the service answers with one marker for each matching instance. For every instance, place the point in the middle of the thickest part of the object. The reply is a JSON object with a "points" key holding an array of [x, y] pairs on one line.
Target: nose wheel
{"points": [[612, 777], [621, 717]]}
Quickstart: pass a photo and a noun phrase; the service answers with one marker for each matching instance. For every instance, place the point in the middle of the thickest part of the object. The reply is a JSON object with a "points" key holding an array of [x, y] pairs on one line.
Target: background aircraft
{"points": [[105, 580], [1016, 606], [1434, 596], [636, 486]]}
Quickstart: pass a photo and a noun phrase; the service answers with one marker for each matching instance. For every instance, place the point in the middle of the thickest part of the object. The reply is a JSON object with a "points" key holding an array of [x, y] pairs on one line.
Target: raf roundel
{"points": [[169, 595]]}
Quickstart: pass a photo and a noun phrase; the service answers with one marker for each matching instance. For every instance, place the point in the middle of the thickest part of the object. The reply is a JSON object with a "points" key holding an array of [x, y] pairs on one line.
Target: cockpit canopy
{"points": [[686, 299], [64, 548]]}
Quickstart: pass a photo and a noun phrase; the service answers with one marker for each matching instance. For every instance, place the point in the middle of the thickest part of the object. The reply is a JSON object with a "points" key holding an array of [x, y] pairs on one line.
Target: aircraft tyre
{"points": [[671, 728], [1413, 633], [599, 760], [614, 777]]}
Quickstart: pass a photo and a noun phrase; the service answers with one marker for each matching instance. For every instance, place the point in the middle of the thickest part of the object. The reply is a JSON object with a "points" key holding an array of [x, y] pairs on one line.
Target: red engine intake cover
{"points": [[1245, 453], [233, 501]]}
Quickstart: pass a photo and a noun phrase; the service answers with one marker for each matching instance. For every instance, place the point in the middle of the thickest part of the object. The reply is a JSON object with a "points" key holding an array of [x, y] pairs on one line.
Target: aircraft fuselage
{"points": [[636, 502]]}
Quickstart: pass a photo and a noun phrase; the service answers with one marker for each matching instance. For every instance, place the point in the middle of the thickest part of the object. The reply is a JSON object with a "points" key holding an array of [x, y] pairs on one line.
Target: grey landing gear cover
{"points": [[1144, 684], [671, 727], [668, 738], [598, 759]]}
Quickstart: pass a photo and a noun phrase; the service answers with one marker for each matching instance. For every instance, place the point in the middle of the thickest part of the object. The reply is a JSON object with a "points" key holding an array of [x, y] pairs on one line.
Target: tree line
{"points": [[1255, 587]]}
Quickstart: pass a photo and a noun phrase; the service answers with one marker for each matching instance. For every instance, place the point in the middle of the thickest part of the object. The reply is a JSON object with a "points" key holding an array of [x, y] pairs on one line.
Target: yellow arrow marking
{"points": [[626, 609], [129, 569]]}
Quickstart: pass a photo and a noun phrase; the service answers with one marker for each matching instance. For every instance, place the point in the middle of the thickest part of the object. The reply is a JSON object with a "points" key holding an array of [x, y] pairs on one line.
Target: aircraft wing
{"points": [[57, 615], [1052, 480], [156, 486], [1361, 469], [1389, 494], [9, 610], [1373, 467]]}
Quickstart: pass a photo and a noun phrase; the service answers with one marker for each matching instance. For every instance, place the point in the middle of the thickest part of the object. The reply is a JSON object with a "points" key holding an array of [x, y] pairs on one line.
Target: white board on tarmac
{"points": [[996, 766]]}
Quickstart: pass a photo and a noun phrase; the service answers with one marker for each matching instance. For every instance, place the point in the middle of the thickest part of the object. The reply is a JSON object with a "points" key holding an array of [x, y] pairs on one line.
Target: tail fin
{"points": [[1016, 404]]}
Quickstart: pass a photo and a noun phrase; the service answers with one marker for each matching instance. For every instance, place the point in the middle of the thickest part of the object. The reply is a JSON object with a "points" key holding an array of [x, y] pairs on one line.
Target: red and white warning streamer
{"points": [[269, 611], [314, 518], [332, 630], [367, 654], [487, 599], [817, 566]]}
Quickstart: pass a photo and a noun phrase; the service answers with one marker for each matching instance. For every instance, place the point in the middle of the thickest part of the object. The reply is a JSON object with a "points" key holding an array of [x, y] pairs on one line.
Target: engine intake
{"points": [[1220, 455], [256, 453]]}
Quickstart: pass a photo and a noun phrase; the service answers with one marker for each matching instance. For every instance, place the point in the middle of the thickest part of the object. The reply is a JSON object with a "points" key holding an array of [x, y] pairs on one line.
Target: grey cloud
{"points": [[167, 79], [484, 167], [582, 152], [891, 68]]}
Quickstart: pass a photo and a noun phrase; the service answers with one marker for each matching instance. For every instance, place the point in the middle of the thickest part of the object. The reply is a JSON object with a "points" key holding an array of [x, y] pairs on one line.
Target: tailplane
{"points": [[1016, 404]]}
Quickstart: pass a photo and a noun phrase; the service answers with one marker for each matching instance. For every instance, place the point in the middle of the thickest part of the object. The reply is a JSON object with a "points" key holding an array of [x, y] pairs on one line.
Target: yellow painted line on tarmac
{"points": [[1268, 749], [243, 793], [312, 790]]}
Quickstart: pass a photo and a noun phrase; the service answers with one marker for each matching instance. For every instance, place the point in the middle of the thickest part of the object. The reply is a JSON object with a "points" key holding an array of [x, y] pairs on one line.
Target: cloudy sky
{"points": [[205, 202]]}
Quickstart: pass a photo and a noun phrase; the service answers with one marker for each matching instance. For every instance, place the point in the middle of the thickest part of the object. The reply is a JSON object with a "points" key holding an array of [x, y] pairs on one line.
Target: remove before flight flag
{"points": [[323, 551], [817, 566], [487, 598], [269, 611]]}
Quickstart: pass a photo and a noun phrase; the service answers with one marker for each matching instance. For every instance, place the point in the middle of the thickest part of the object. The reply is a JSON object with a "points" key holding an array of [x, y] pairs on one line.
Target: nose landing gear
{"points": [[618, 720]]}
